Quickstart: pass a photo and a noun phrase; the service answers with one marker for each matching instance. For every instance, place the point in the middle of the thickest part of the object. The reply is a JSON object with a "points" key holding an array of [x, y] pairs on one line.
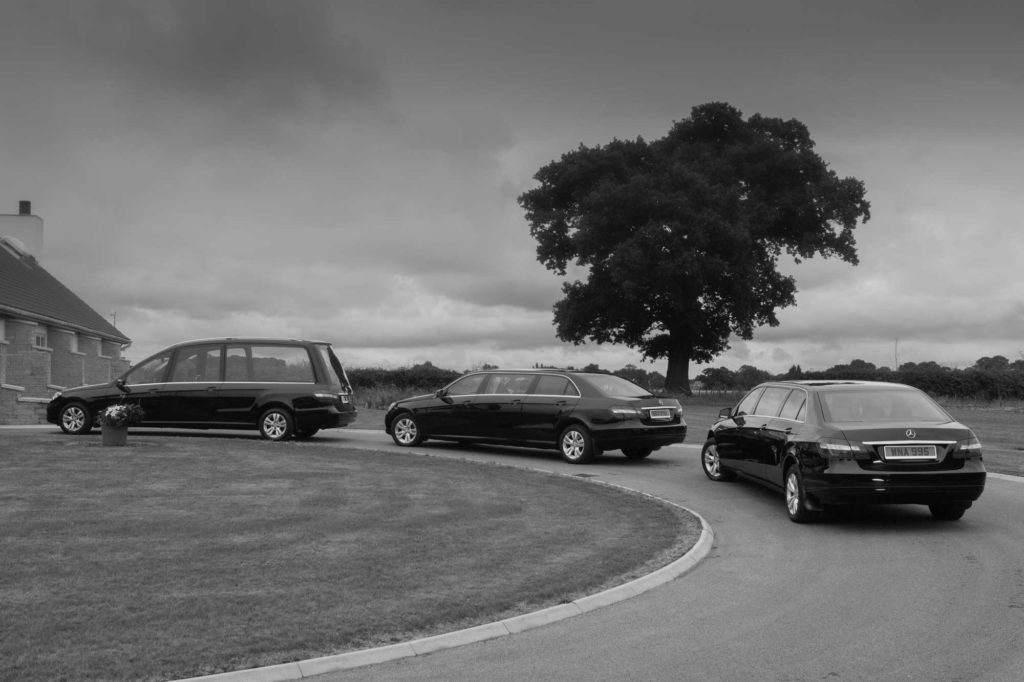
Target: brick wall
{"points": [[32, 373]]}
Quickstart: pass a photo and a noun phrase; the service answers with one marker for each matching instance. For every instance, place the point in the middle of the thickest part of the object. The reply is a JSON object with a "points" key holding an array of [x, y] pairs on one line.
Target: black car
{"points": [[847, 442], [283, 387], [581, 414]]}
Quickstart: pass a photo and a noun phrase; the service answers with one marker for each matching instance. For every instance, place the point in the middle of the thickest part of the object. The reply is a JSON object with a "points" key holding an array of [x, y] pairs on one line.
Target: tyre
{"points": [[276, 424], [948, 511], [712, 464], [637, 452], [576, 445], [76, 419], [796, 498], [406, 430]]}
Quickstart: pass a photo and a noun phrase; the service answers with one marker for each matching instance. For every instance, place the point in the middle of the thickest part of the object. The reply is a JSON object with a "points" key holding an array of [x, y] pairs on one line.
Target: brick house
{"points": [[50, 339]]}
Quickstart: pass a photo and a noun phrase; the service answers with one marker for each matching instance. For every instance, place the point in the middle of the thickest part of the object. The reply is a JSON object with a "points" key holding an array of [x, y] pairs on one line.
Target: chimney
{"points": [[26, 229]]}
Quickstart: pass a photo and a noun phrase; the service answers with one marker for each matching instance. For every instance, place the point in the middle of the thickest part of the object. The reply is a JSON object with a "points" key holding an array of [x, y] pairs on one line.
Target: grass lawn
{"points": [[182, 556]]}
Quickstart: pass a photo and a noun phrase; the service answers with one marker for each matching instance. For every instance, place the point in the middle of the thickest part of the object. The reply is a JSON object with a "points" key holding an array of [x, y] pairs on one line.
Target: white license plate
{"points": [[661, 414], [909, 452]]}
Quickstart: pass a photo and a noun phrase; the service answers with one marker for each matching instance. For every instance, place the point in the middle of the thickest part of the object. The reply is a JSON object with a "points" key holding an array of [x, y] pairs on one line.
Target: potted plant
{"points": [[115, 420]]}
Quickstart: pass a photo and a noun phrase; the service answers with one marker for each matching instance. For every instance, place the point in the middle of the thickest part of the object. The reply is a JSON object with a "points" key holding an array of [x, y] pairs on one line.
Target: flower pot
{"points": [[114, 435]]}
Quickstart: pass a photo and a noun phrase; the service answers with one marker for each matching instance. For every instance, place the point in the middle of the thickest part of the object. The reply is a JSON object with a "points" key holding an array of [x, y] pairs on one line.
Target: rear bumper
{"points": [[647, 436], [879, 488], [324, 418]]}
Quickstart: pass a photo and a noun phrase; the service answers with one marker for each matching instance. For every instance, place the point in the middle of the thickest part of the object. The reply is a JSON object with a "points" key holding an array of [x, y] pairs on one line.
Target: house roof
{"points": [[27, 290]]}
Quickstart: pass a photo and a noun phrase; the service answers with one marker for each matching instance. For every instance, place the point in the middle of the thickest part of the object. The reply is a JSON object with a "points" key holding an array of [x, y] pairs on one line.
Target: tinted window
{"points": [[552, 385], [746, 405], [509, 384], [268, 364], [198, 363], [771, 401], [616, 387], [881, 405], [793, 408], [149, 372], [468, 385]]}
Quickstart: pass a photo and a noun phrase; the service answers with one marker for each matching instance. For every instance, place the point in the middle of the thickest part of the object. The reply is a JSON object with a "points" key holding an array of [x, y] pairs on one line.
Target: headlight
{"points": [[392, 406], [57, 395]]}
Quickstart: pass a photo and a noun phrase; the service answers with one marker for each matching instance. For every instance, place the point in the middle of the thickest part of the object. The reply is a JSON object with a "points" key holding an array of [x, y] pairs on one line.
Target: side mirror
{"points": [[443, 395], [121, 387], [725, 413]]}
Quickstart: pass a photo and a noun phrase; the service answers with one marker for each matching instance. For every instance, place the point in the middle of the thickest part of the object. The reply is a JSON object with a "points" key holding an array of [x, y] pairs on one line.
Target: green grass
{"points": [[183, 556]]}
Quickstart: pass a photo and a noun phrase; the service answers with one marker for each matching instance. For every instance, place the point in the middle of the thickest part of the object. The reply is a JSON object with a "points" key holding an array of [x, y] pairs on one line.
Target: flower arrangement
{"points": [[122, 414]]}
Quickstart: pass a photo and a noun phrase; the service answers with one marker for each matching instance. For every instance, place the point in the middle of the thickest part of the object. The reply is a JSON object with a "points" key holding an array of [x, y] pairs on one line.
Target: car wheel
{"points": [[276, 424], [950, 511], [637, 452], [76, 419], [406, 430], [576, 445], [305, 434], [711, 463], [796, 498]]}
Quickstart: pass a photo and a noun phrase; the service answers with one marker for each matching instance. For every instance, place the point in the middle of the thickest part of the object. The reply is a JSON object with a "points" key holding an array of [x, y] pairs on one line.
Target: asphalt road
{"points": [[885, 594]]}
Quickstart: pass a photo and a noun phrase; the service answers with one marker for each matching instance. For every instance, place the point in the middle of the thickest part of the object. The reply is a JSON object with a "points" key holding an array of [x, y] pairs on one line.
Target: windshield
{"points": [[616, 387], [881, 406]]}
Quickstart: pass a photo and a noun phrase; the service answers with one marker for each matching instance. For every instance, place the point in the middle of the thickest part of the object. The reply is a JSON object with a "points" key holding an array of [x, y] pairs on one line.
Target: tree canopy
{"points": [[680, 238]]}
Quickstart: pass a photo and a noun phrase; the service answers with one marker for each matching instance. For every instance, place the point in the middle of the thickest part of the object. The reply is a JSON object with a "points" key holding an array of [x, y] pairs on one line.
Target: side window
{"points": [[149, 372], [746, 405], [268, 364], [198, 363], [552, 385], [771, 401], [793, 408], [468, 385], [510, 384]]}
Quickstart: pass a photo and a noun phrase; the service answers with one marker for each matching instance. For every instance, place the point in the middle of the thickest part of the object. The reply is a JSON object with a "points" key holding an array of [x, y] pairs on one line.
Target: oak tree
{"points": [[677, 241]]}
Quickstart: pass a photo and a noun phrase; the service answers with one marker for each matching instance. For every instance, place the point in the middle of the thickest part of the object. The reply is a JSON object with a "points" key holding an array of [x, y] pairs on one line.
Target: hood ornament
{"points": [[911, 433]]}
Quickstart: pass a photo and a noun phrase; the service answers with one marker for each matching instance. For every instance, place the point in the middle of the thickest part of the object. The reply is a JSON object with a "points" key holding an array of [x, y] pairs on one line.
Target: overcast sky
{"points": [[349, 170]]}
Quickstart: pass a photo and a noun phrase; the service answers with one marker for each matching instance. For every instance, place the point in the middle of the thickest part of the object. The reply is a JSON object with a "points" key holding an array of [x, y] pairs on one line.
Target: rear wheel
{"points": [[276, 424], [406, 430], [796, 498], [712, 464], [637, 452], [948, 511], [576, 445], [76, 419]]}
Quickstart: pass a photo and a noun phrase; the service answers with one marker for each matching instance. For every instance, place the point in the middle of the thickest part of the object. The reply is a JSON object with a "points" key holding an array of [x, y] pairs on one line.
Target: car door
{"points": [[498, 408], [730, 437], [550, 400], [194, 384], [454, 412], [781, 431], [762, 435], [145, 385]]}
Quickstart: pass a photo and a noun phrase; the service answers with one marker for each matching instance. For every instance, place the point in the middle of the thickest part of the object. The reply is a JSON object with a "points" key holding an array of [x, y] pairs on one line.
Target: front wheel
{"points": [[576, 445], [796, 498], [75, 419], [950, 511], [276, 424], [711, 463], [406, 430]]}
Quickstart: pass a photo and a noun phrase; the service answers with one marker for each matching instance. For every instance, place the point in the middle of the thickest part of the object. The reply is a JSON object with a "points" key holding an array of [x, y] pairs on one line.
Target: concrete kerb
{"points": [[503, 628]]}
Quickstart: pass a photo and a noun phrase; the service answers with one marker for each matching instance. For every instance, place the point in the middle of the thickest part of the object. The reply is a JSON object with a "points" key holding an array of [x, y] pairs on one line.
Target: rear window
{"points": [[616, 387], [881, 406]]}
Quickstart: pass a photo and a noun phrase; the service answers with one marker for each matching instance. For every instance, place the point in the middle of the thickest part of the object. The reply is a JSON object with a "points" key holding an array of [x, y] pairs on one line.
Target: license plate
{"points": [[661, 414], [909, 452]]}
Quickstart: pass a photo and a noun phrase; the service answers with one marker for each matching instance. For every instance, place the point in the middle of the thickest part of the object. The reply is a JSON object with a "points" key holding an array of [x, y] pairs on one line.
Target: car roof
{"points": [[841, 384], [245, 339]]}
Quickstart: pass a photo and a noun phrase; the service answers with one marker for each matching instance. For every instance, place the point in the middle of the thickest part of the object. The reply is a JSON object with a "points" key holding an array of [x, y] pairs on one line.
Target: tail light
{"points": [[969, 448], [840, 449]]}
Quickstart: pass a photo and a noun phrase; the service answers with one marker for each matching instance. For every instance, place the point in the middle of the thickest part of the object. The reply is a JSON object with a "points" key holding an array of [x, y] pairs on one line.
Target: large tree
{"points": [[679, 239]]}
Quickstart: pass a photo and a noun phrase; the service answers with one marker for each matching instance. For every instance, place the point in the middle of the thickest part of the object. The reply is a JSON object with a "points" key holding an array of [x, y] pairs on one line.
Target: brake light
{"points": [[623, 413], [969, 448], [840, 448]]}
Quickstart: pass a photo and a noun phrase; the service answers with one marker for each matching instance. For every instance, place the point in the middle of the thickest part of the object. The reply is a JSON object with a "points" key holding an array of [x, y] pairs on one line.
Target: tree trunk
{"points": [[677, 379]]}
